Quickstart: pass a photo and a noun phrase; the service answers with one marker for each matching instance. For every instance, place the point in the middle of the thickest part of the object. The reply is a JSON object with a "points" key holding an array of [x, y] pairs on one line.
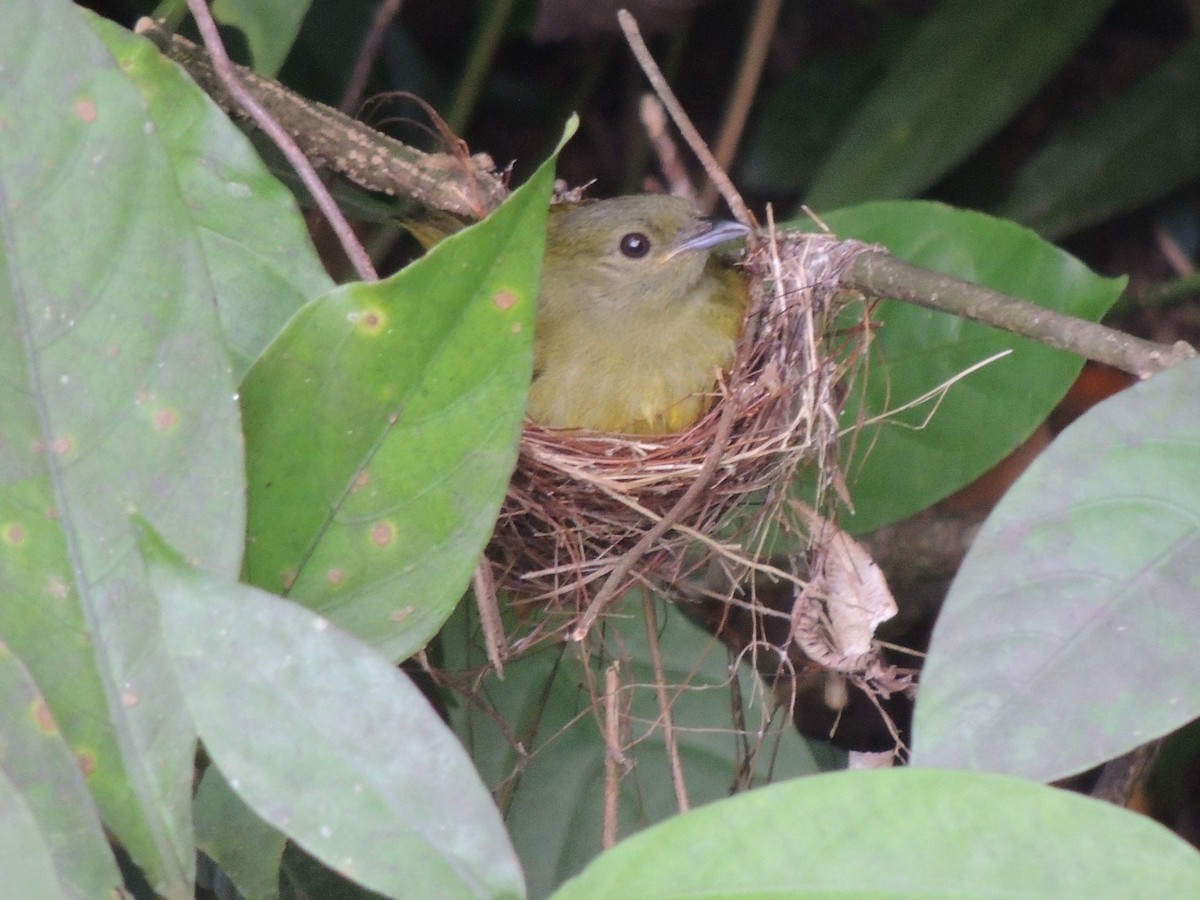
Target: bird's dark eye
{"points": [[635, 245]]}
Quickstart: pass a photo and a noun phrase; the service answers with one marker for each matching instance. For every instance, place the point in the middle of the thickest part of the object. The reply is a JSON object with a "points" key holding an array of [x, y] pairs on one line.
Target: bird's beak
{"points": [[709, 233]]}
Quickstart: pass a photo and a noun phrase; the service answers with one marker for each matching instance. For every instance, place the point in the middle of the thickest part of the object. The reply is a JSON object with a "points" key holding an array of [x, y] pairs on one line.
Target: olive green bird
{"points": [[636, 317]]}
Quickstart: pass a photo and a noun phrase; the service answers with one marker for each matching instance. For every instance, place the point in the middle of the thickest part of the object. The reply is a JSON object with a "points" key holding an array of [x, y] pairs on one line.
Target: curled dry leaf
{"points": [[845, 600]]}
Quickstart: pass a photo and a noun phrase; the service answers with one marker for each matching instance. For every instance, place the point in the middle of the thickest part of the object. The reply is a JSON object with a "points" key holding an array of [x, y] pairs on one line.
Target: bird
{"points": [[637, 315]]}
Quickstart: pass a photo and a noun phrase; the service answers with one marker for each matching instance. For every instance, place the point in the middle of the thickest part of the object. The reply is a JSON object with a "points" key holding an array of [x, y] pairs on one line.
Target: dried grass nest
{"points": [[588, 516]]}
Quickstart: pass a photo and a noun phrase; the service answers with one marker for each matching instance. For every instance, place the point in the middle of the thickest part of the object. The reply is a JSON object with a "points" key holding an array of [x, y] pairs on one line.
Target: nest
{"points": [[589, 515]]}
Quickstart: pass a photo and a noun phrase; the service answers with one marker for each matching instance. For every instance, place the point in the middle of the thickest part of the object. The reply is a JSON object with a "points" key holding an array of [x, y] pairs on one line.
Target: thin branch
{"points": [[737, 110], [367, 54], [484, 587], [882, 275], [614, 757], [308, 175], [664, 703], [654, 121], [479, 62], [616, 580], [655, 76]]}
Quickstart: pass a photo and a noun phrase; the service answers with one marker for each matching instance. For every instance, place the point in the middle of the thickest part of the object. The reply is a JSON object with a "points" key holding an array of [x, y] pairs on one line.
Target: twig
{"points": [[882, 275], [655, 76], [308, 175], [614, 757], [654, 121], [616, 578], [664, 703], [737, 110], [367, 54], [484, 587], [483, 51]]}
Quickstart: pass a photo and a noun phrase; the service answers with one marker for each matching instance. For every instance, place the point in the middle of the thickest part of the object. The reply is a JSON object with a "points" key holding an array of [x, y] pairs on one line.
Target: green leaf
{"points": [[382, 427], [46, 798], [553, 789], [247, 849], [270, 28], [255, 242], [25, 857], [1070, 633], [1137, 148], [964, 74], [329, 742], [116, 395], [898, 833], [803, 116], [907, 463]]}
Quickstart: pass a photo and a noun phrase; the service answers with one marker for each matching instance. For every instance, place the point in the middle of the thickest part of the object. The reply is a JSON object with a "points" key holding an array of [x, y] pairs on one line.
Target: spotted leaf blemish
{"points": [[86, 760], [165, 419], [383, 533], [14, 534], [335, 576], [85, 110], [505, 300], [43, 718], [370, 320]]}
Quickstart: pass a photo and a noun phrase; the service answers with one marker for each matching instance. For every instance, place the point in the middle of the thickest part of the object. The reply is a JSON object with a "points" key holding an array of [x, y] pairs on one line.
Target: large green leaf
{"points": [[553, 786], [906, 463], [1136, 148], [903, 833], [964, 74], [116, 395], [382, 428], [270, 28], [803, 116], [329, 742], [30, 868], [1070, 633], [255, 242], [45, 796]]}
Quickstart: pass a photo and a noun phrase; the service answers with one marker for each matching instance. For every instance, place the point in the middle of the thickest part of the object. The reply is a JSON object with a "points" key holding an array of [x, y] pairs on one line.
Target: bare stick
{"points": [[654, 121], [882, 275], [308, 175], [367, 54], [614, 756], [659, 82], [484, 587], [616, 578], [737, 110], [664, 704]]}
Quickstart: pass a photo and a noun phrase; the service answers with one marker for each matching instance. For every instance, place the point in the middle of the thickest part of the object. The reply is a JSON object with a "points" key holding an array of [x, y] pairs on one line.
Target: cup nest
{"points": [[589, 515]]}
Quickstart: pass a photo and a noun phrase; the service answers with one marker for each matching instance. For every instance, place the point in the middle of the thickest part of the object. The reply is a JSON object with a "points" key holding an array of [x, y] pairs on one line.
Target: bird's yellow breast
{"points": [[638, 368]]}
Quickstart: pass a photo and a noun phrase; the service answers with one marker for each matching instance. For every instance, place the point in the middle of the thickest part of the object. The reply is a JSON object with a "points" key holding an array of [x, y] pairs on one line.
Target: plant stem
{"points": [[479, 63], [882, 275]]}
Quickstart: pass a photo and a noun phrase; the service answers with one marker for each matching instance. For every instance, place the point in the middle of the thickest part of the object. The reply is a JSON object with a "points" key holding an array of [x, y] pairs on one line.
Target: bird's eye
{"points": [[635, 245]]}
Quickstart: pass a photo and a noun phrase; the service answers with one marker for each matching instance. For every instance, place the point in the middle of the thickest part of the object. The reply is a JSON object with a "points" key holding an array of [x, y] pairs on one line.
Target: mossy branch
{"points": [[461, 184], [468, 186]]}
